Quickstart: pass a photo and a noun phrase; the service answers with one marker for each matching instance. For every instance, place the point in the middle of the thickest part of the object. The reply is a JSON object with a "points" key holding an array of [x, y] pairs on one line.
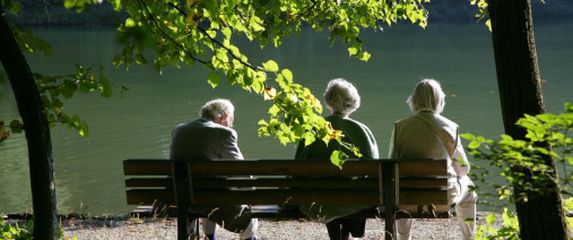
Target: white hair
{"points": [[216, 108], [427, 96], [341, 97]]}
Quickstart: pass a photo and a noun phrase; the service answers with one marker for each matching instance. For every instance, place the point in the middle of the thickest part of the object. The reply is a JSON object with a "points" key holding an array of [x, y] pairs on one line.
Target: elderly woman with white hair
{"points": [[428, 134], [341, 99]]}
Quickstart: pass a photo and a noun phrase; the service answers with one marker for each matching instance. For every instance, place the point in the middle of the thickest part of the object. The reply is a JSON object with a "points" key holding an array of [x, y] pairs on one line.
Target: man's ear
{"points": [[221, 118]]}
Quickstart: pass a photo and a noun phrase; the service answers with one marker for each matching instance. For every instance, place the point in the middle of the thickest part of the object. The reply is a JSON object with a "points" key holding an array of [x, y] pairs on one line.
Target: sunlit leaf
{"points": [[271, 66], [287, 74], [490, 219], [338, 158], [352, 51], [214, 79], [129, 23]]}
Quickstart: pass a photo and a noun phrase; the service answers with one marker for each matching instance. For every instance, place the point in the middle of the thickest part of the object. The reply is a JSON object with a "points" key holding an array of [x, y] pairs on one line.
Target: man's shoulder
{"points": [[204, 127]]}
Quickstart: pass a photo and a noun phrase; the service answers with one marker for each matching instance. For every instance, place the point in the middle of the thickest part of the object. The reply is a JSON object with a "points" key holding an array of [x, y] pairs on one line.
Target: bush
{"points": [[524, 163]]}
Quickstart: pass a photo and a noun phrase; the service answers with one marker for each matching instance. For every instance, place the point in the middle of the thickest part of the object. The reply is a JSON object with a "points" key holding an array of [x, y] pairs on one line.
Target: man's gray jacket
{"points": [[203, 139]]}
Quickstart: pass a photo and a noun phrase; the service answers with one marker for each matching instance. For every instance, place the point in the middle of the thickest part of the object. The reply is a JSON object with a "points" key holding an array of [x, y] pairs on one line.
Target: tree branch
{"points": [[149, 16], [226, 48], [202, 30], [43, 89]]}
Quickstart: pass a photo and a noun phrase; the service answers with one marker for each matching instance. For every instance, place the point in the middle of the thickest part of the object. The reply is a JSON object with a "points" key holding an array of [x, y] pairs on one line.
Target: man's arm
{"points": [[230, 148]]}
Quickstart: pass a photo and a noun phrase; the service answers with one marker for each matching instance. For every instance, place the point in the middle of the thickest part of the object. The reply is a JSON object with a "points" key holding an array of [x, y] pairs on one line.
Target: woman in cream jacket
{"points": [[428, 134]]}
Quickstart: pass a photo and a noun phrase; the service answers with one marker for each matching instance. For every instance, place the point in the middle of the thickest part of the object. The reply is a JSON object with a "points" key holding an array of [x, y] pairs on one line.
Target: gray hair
{"points": [[341, 97], [214, 109], [427, 96]]}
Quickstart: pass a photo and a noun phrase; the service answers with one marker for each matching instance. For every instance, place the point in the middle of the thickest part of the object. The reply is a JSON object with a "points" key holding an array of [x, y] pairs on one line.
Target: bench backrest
{"points": [[279, 182]]}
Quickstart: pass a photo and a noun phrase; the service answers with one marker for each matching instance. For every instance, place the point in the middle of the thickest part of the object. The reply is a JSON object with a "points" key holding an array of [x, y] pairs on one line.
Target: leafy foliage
{"points": [[15, 232], [523, 162], [187, 32], [510, 154], [55, 90], [483, 12], [568, 206], [509, 229]]}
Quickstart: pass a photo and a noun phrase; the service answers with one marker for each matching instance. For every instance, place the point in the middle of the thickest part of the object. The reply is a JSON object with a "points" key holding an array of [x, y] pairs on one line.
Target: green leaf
{"points": [[287, 74], [226, 32], [364, 56], [262, 123], [352, 51], [16, 126], [105, 85], [338, 158], [274, 110], [129, 23], [82, 128], [140, 59], [474, 145], [309, 138], [490, 219], [116, 4], [568, 107], [271, 66], [68, 4], [214, 79]]}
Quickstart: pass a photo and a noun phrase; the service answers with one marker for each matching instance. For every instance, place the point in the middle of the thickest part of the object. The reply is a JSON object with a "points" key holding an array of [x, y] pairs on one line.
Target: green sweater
{"points": [[355, 133]]}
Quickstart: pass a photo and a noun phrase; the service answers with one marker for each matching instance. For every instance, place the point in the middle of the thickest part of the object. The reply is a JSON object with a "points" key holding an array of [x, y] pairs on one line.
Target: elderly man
{"points": [[342, 99], [427, 134], [211, 137]]}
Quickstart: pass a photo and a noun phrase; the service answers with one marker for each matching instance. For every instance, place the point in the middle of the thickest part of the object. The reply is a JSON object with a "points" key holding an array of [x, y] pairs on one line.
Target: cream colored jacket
{"points": [[429, 135]]}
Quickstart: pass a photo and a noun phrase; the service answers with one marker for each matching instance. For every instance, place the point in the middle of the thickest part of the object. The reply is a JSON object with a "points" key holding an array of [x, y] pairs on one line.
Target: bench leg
{"points": [[389, 223], [182, 219], [189, 229], [389, 174]]}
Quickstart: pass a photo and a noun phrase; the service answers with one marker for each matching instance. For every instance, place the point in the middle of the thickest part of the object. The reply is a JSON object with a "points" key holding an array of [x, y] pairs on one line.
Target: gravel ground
{"points": [[165, 228]]}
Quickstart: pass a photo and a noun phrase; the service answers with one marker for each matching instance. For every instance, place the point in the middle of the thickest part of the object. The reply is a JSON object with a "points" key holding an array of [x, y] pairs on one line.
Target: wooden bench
{"points": [[385, 183]]}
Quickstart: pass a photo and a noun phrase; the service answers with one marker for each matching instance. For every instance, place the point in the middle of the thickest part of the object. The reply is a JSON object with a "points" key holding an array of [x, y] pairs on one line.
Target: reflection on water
{"points": [[88, 171]]}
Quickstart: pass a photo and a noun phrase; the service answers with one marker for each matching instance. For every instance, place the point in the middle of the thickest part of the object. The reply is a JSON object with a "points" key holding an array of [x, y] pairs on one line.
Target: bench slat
{"points": [[147, 167], [423, 196], [279, 197], [340, 197], [163, 197], [370, 183], [423, 168], [428, 182], [282, 167], [150, 196], [163, 182], [320, 183]]}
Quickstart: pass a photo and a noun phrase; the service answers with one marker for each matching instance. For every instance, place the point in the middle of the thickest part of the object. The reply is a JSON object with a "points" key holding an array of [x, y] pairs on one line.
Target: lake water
{"points": [[88, 171]]}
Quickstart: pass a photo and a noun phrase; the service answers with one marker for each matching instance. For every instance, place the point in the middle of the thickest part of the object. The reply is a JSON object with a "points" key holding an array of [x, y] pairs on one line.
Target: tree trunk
{"points": [[37, 134], [541, 216]]}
